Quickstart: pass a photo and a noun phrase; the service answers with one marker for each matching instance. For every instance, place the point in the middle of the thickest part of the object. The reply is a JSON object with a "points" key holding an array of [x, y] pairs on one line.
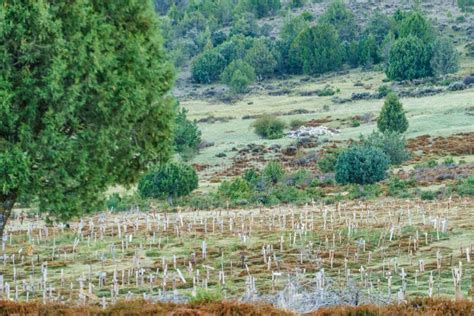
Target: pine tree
{"points": [[392, 117], [83, 106]]}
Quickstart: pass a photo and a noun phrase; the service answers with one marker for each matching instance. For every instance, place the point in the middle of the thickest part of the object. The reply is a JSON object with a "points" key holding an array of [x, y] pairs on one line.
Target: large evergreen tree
{"points": [[316, 50], [83, 106], [409, 59]]}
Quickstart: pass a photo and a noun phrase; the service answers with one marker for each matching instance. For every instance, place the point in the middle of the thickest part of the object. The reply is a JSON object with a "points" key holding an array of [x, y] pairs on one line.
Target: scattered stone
{"points": [[221, 155], [456, 86], [468, 80], [205, 144], [317, 131]]}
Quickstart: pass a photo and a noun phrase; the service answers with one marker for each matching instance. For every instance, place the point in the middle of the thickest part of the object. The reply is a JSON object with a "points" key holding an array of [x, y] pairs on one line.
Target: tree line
{"points": [[405, 45]]}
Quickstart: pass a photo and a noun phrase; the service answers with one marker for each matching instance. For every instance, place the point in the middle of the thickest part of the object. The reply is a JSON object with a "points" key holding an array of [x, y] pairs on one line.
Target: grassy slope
{"points": [[440, 115]]}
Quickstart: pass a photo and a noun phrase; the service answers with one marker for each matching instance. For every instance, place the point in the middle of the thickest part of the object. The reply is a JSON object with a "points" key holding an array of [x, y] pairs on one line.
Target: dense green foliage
{"points": [[466, 5], [269, 127], [169, 180], [339, 16], [361, 165], [445, 58], [82, 101], [392, 117], [260, 8], [273, 172], [416, 25], [238, 75], [293, 25], [208, 66], [186, 135], [409, 59], [327, 163], [391, 143], [316, 50], [260, 57]]}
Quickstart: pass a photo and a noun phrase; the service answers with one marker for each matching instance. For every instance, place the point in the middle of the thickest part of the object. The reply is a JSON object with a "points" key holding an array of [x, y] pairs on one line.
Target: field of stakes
{"points": [[296, 258]]}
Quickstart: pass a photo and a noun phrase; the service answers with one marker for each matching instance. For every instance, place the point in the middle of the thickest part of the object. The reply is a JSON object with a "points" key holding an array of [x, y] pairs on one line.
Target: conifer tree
{"points": [[83, 106], [392, 117]]}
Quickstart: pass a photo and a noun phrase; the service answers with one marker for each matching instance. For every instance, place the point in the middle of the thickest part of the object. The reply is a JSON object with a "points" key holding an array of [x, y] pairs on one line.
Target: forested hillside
{"points": [[240, 42]]}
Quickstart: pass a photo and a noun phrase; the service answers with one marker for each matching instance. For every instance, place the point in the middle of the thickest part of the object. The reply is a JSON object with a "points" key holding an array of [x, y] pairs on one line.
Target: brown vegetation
{"points": [[416, 307], [459, 144], [139, 307]]}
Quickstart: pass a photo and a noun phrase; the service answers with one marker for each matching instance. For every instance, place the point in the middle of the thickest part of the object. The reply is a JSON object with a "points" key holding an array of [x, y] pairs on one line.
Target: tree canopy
{"points": [[83, 101]]}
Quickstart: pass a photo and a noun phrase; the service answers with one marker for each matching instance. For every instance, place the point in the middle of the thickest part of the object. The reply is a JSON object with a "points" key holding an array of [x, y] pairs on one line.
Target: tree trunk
{"points": [[6, 205]]}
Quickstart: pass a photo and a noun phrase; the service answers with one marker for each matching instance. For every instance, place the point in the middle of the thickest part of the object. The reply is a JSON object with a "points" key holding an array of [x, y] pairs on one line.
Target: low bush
{"points": [[398, 187], [428, 195], [273, 172], [465, 187], [364, 192], [169, 180], [236, 190], [296, 123], [361, 165], [392, 144], [290, 194], [327, 162], [269, 127]]}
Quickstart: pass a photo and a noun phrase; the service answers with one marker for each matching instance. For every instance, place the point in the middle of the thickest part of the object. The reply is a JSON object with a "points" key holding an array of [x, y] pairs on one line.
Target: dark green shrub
{"points": [[428, 195], [416, 25], [269, 127], [292, 26], [251, 176], [409, 59], [238, 75], [273, 172], [235, 190], [355, 123], [465, 187], [466, 5], [186, 135], [391, 143], [392, 116], [218, 38], [169, 180], [207, 67], [316, 50], [361, 165], [261, 59], [327, 91]]}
